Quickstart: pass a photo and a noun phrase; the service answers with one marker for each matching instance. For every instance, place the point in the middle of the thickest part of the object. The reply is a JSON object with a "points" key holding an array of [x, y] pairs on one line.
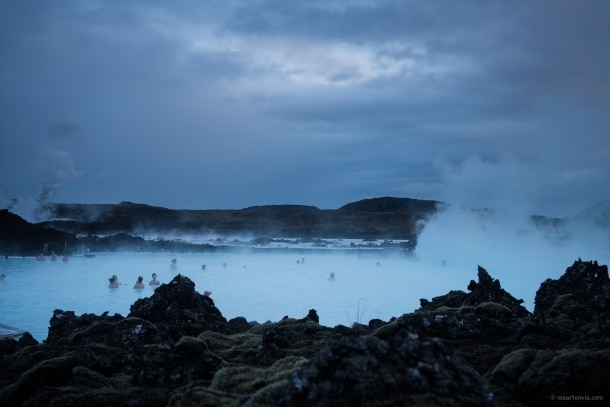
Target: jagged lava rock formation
{"points": [[475, 348]]}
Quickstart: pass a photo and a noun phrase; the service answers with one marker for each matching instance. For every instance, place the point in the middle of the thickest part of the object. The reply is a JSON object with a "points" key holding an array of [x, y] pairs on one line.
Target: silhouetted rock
{"points": [[392, 204], [313, 315], [180, 309], [238, 325], [581, 294], [486, 290], [19, 237]]}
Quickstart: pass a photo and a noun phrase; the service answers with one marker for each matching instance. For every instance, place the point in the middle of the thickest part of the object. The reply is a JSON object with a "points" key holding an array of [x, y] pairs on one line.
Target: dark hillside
{"points": [[19, 237], [379, 218], [127, 225], [390, 204]]}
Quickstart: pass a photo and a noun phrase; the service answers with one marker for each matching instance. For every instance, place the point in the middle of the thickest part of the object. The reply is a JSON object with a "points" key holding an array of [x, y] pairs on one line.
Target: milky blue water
{"points": [[259, 286], [266, 286]]}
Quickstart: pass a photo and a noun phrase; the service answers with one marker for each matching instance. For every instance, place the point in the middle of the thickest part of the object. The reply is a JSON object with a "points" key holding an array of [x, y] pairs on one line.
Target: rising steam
{"points": [[53, 171]]}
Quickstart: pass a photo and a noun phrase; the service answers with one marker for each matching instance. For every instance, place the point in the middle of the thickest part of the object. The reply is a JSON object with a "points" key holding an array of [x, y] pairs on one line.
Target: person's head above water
{"points": [[154, 280]]}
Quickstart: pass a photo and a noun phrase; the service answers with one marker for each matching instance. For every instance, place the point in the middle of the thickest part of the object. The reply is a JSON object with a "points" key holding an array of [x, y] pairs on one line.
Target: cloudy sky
{"points": [[229, 104]]}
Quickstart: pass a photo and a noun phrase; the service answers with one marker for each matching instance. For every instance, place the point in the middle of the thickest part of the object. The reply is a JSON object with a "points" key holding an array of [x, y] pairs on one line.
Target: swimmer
{"points": [[332, 277], [65, 258], [2, 276], [114, 282], [203, 267], [53, 256], [40, 257], [154, 280], [207, 293], [174, 264], [139, 283]]}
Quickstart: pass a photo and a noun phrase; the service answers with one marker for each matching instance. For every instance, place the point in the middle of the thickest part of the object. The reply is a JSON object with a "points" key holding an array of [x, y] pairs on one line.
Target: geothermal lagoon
{"points": [[264, 284]]}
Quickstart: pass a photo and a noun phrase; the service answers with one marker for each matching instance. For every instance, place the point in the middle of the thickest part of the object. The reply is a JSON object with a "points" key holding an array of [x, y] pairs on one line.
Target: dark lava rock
{"points": [[19, 237], [541, 377], [486, 290], [481, 326], [313, 315], [585, 281], [565, 346], [64, 324], [180, 309], [238, 325], [370, 371]]}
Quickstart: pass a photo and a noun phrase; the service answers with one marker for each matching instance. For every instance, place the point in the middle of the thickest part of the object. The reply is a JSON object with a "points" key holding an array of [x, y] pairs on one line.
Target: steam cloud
{"points": [[488, 221], [55, 170]]}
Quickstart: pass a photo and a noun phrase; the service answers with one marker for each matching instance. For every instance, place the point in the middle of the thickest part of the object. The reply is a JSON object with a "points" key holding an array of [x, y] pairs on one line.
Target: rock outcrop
{"points": [[475, 348]]}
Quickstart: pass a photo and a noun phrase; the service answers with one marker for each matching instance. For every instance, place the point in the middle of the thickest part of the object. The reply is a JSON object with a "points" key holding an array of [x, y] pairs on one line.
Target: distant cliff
{"points": [[122, 225], [19, 237], [128, 225], [378, 218], [416, 207]]}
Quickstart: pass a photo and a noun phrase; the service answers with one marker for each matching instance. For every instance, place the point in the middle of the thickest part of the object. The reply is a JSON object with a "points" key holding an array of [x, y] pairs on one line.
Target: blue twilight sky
{"points": [[229, 104]]}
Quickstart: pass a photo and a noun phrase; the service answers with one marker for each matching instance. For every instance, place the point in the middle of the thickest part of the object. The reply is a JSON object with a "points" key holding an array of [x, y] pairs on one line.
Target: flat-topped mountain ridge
{"points": [[137, 226], [377, 218]]}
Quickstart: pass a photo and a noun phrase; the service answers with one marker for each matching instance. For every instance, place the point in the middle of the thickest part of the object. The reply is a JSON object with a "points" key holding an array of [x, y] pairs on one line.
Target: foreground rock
{"points": [[475, 348]]}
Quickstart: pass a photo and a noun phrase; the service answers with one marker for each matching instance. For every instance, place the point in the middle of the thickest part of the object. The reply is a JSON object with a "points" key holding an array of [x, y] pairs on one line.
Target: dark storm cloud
{"points": [[519, 50], [349, 21], [232, 104]]}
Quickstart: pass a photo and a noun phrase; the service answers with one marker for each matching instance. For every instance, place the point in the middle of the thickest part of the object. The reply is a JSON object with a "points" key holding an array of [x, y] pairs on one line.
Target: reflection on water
{"points": [[260, 286]]}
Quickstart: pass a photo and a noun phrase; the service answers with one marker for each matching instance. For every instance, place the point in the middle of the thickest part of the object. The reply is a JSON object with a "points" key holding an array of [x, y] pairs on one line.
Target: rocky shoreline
{"points": [[474, 348]]}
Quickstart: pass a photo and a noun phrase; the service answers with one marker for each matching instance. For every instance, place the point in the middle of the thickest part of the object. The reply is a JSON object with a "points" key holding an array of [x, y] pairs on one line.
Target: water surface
{"points": [[258, 285]]}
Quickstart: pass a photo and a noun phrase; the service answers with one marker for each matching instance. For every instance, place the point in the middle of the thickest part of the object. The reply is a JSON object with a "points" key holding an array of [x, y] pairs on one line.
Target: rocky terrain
{"points": [[478, 347]]}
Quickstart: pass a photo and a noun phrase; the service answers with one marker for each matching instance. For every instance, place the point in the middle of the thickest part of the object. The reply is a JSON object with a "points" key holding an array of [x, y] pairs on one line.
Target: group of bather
{"points": [[114, 281]]}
